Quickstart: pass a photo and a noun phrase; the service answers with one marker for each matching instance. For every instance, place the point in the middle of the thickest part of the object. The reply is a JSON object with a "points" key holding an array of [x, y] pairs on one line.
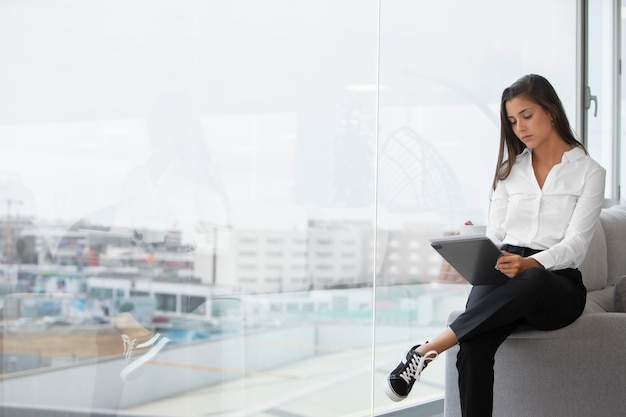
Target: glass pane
{"points": [[189, 194], [622, 159], [600, 127], [443, 67], [191, 225]]}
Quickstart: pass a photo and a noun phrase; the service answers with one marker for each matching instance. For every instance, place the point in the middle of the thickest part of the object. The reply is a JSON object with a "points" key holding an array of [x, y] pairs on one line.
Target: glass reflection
{"points": [[209, 211]]}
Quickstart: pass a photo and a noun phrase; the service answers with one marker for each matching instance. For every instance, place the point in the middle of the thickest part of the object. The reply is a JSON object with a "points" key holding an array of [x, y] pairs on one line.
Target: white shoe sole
{"points": [[390, 392]]}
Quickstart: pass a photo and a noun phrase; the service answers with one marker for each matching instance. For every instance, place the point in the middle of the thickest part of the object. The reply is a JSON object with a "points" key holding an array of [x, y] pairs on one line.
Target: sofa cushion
{"points": [[600, 301], [594, 268], [613, 222], [620, 295]]}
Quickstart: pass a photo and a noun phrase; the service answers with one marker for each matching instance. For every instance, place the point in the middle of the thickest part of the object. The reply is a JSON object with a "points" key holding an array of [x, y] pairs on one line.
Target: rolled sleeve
{"points": [[571, 250]]}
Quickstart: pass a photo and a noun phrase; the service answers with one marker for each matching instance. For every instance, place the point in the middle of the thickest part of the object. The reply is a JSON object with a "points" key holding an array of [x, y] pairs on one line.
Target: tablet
{"points": [[472, 256]]}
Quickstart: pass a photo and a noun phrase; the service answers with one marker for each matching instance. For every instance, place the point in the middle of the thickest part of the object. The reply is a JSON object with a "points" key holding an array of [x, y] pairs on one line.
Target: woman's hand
{"points": [[511, 265]]}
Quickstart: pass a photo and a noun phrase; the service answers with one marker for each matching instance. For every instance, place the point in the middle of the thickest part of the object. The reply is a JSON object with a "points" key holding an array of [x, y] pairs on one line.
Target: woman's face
{"points": [[531, 123]]}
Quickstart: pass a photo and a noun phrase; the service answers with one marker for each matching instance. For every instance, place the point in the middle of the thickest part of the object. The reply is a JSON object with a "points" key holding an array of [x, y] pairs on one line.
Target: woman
{"points": [[546, 201]]}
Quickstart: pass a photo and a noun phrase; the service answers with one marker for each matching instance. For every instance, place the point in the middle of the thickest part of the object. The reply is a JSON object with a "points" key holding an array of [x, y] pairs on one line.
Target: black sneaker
{"points": [[401, 380]]}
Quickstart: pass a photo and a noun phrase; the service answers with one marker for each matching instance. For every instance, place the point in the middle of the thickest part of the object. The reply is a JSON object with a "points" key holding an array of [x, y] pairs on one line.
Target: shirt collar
{"points": [[572, 155]]}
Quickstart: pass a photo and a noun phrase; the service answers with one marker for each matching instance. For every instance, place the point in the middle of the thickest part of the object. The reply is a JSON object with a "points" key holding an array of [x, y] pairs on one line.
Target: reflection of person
{"points": [[546, 201], [178, 190], [179, 186], [175, 198]]}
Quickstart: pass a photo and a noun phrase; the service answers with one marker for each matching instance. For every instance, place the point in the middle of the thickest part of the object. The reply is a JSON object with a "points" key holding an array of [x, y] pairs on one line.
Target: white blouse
{"points": [[559, 218]]}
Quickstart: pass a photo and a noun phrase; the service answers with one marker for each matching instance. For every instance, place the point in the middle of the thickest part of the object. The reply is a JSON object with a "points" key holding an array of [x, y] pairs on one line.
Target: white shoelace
{"points": [[135, 364], [416, 365], [131, 344]]}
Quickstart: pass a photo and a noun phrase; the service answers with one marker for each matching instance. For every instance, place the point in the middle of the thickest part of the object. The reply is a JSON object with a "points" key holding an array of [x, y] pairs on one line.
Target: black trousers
{"points": [[546, 300]]}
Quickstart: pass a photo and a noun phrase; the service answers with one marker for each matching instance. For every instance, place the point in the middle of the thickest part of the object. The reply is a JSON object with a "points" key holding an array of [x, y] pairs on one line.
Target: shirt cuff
{"points": [[544, 258]]}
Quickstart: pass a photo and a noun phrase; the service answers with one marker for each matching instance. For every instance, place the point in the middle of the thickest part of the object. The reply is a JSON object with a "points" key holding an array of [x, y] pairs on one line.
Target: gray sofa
{"points": [[579, 370]]}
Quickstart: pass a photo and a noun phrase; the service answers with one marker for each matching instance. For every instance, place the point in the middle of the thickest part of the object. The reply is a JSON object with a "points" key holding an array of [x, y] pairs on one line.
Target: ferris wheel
{"points": [[415, 177]]}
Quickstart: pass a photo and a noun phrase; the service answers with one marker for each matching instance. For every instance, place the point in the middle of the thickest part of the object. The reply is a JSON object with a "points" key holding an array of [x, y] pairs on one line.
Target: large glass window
{"points": [[443, 66], [223, 208], [603, 92], [622, 137]]}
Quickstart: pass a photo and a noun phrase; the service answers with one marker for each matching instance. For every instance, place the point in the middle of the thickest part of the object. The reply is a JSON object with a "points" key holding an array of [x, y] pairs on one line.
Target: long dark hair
{"points": [[538, 90]]}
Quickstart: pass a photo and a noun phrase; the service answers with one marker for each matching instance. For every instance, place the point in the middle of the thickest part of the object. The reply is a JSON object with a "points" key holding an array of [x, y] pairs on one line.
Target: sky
{"points": [[260, 105]]}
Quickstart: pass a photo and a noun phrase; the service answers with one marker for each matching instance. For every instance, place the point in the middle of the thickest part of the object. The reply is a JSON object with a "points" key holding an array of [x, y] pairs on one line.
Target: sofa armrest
{"points": [[579, 370]]}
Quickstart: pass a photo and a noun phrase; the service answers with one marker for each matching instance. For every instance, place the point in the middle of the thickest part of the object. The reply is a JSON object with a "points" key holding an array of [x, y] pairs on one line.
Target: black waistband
{"points": [[520, 250], [525, 252]]}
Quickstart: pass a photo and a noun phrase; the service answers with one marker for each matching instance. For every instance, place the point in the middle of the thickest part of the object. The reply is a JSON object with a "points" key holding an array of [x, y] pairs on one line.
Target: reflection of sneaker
{"points": [[401, 379], [156, 343]]}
